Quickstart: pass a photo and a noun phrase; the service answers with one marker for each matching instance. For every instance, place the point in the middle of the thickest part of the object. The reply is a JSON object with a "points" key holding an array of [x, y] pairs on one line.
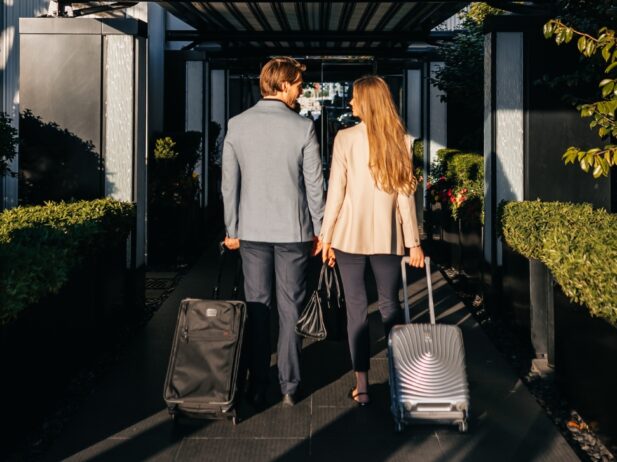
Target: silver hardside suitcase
{"points": [[428, 381]]}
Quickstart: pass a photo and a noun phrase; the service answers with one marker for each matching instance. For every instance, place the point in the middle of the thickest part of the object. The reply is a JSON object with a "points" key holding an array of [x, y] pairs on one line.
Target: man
{"points": [[273, 199]]}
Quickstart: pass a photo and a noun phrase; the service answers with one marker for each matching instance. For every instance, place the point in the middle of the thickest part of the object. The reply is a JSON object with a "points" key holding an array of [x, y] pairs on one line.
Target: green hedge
{"points": [[577, 243], [40, 245]]}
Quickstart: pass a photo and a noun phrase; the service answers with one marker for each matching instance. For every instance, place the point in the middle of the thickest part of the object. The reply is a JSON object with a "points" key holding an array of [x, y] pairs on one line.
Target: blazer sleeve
{"points": [[407, 209], [312, 171], [230, 186], [336, 190]]}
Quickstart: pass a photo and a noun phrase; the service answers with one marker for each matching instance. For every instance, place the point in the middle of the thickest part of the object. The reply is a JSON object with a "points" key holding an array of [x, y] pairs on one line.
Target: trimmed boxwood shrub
{"points": [[577, 243], [41, 245]]}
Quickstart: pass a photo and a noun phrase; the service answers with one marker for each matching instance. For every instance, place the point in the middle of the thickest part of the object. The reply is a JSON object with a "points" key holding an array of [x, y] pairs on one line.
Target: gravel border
{"points": [[34, 446], [581, 436]]}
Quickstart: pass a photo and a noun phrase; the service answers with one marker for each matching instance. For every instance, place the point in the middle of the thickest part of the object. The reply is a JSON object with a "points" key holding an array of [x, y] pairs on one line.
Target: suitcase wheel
{"points": [[463, 426], [234, 420]]}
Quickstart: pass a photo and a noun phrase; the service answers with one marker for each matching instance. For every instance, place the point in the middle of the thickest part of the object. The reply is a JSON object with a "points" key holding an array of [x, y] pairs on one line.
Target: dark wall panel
{"points": [[60, 124], [554, 124], [175, 91]]}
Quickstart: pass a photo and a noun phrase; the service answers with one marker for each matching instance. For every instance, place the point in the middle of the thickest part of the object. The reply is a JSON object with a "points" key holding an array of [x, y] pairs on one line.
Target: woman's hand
{"points": [[327, 255], [416, 257], [231, 243]]}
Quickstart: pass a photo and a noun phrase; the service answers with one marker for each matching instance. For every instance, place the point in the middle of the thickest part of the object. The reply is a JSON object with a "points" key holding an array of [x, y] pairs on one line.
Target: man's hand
{"points": [[232, 243], [416, 257], [327, 255], [316, 246]]}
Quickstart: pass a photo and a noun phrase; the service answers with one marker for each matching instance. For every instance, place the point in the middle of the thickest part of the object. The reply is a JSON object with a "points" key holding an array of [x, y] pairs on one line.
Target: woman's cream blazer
{"points": [[359, 218]]}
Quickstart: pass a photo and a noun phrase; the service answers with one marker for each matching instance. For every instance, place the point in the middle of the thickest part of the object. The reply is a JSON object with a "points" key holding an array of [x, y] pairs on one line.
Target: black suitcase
{"points": [[202, 376]]}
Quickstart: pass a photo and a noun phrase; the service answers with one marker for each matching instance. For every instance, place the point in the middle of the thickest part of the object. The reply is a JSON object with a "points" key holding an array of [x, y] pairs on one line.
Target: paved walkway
{"points": [[125, 418]]}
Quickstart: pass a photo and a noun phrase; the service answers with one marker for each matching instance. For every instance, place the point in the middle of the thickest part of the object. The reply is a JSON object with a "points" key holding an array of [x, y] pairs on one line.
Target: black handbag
{"points": [[327, 298]]}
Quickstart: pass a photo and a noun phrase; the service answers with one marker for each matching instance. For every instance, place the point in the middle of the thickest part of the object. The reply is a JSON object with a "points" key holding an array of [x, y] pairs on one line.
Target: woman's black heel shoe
{"points": [[352, 396]]}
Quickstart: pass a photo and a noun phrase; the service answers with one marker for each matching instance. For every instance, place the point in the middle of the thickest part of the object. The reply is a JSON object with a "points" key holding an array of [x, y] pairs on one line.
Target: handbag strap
{"points": [[322, 277], [331, 278]]}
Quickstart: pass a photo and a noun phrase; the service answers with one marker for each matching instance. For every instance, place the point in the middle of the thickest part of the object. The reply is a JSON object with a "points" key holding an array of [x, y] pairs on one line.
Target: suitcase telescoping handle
{"points": [[223, 253], [429, 284]]}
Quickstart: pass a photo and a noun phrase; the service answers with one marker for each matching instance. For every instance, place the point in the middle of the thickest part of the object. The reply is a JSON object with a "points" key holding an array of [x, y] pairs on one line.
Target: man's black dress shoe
{"points": [[289, 400]]}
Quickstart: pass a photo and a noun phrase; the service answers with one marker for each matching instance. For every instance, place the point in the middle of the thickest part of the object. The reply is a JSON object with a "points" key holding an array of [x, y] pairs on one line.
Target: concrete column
{"points": [[194, 114], [509, 120], [414, 125], [437, 136], [10, 12], [156, 68], [414, 102], [489, 150], [218, 98], [504, 120], [103, 135]]}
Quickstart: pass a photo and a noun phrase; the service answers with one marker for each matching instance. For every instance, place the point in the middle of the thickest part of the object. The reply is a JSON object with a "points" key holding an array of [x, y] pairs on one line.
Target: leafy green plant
{"points": [[418, 159], [597, 160], [8, 144], [461, 79], [173, 195], [41, 245], [456, 182], [466, 173], [164, 149], [577, 243], [173, 179]]}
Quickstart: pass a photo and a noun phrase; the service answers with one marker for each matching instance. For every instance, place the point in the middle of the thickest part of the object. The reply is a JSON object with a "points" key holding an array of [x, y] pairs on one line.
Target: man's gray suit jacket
{"points": [[272, 175]]}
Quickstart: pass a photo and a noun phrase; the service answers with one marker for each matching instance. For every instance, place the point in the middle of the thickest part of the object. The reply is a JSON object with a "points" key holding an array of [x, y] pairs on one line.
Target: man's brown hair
{"points": [[279, 70]]}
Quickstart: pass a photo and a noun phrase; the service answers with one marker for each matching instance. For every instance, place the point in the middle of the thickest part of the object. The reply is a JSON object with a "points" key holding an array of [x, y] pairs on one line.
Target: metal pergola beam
{"points": [[303, 52], [309, 36]]}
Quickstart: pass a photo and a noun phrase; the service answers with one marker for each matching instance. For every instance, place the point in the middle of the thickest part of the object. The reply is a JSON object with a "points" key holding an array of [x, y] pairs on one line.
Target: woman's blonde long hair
{"points": [[389, 154]]}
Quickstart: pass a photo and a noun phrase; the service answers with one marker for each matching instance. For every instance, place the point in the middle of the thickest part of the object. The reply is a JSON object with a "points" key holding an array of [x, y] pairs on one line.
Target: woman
{"points": [[370, 215]]}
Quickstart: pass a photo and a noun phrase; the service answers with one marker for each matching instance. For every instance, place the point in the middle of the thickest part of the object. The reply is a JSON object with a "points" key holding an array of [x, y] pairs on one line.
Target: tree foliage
{"points": [[462, 76], [461, 79], [597, 160], [8, 143]]}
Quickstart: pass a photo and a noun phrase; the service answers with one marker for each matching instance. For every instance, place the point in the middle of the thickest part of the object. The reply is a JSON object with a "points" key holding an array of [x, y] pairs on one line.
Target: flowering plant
{"points": [[456, 182], [439, 190], [466, 205]]}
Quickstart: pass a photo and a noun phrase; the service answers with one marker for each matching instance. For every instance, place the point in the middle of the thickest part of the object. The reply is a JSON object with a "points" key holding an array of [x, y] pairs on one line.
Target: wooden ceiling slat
{"points": [[290, 12], [210, 10], [305, 24], [325, 9], [261, 17], [359, 8], [383, 17], [302, 15], [271, 16], [280, 15], [300, 8], [238, 16], [367, 15], [348, 9], [409, 21], [335, 15]]}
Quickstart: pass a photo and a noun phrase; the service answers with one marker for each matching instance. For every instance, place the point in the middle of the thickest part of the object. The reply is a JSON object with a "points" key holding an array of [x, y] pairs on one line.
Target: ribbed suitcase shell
{"points": [[428, 380]]}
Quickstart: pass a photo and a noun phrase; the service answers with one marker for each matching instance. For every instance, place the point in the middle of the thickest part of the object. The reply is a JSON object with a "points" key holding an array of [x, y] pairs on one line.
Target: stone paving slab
{"points": [[125, 418]]}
